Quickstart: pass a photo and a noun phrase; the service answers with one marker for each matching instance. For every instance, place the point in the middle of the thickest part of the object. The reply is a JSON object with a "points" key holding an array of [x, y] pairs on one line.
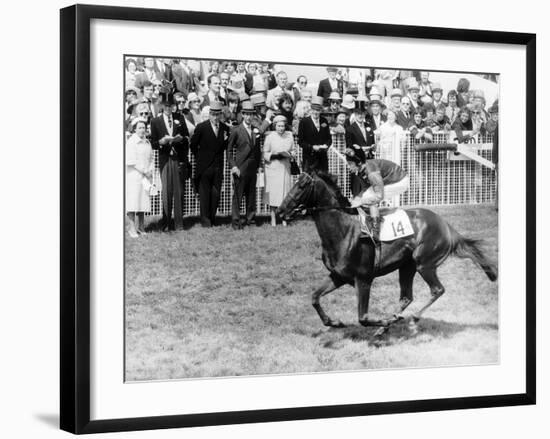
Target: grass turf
{"points": [[219, 302]]}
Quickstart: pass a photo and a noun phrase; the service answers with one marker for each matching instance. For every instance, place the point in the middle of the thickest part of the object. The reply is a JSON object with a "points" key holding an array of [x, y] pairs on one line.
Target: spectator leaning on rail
{"points": [[464, 122], [440, 122], [314, 138], [383, 180], [244, 156], [419, 130]]}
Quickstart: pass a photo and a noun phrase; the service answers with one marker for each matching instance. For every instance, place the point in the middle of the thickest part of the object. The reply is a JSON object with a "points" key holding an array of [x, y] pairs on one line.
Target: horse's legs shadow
{"points": [[407, 329]]}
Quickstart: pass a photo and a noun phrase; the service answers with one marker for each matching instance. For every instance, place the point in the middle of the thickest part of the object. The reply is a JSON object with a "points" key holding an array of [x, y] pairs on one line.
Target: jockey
{"points": [[382, 180]]}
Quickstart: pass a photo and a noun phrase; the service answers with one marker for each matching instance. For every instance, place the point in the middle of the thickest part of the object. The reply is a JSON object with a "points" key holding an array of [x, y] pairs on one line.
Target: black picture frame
{"points": [[75, 218]]}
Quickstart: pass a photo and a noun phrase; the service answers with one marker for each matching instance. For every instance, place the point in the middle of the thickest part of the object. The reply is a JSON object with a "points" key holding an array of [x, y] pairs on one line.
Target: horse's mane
{"points": [[330, 181]]}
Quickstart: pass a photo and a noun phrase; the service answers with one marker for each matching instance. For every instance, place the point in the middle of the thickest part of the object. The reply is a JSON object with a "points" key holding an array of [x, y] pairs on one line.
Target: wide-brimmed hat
{"points": [[436, 86], [317, 102], [334, 96], [248, 107], [348, 102], [279, 118], [257, 99], [396, 92], [216, 107], [332, 69]]}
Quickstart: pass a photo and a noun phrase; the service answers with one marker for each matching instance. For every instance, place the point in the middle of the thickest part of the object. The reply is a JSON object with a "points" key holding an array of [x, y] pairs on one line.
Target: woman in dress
{"points": [[278, 151], [139, 175], [391, 134]]}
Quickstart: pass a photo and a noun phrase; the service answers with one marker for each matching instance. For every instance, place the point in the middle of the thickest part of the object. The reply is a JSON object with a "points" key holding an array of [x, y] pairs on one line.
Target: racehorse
{"points": [[357, 261]]}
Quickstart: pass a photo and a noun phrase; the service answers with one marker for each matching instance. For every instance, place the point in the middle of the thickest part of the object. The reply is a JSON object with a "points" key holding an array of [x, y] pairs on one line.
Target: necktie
{"points": [[170, 122]]}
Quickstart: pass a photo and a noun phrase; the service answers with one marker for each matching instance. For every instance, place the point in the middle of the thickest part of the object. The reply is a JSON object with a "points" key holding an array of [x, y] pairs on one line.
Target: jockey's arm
{"points": [[377, 184]]}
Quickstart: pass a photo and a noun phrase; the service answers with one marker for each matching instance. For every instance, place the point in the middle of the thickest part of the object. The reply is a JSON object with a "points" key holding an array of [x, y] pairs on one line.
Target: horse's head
{"points": [[298, 198]]}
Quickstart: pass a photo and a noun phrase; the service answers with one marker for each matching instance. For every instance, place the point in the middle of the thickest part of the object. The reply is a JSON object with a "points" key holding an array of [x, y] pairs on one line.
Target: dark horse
{"points": [[354, 261]]}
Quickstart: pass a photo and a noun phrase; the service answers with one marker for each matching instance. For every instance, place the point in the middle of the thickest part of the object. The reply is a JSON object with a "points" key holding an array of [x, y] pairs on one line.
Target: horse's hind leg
{"points": [[328, 286], [436, 288], [406, 279]]}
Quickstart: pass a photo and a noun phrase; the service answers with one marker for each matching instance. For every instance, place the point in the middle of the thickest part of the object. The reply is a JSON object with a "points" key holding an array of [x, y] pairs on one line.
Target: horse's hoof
{"points": [[335, 323]]}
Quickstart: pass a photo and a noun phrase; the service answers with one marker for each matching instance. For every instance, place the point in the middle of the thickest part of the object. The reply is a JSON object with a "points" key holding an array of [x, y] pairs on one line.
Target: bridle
{"points": [[300, 207]]}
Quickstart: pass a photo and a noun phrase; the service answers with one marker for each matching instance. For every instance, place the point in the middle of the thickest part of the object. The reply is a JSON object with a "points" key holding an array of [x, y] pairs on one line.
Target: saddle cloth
{"points": [[395, 225]]}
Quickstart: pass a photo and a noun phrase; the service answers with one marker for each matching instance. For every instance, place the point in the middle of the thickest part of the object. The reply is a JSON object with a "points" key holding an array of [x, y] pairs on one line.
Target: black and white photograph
{"points": [[285, 218]]}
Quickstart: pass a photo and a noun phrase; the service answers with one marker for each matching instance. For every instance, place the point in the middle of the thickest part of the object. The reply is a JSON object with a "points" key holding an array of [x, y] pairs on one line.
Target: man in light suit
{"points": [[244, 157], [329, 85], [314, 138], [281, 87], [208, 144]]}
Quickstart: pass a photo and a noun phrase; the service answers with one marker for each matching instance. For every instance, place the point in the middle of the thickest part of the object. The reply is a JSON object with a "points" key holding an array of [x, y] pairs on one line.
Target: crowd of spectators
{"points": [[210, 107]]}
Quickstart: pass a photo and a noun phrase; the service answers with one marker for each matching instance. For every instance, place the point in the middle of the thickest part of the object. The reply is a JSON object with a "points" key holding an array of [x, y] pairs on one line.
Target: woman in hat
{"points": [[339, 125], [139, 175], [278, 152]]}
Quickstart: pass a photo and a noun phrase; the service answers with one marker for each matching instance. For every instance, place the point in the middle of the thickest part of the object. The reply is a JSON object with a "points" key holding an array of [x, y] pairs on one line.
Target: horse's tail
{"points": [[469, 248]]}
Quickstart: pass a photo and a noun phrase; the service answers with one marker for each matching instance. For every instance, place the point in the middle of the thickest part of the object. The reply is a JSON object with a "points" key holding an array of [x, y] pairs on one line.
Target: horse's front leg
{"points": [[330, 284], [363, 287]]}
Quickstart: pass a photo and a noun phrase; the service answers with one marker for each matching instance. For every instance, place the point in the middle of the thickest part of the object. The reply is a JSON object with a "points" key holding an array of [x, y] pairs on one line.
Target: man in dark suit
{"points": [[375, 105], [329, 85], [244, 157], [359, 136], [404, 116], [183, 78], [314, 138], [171, 138], [208, 144]]}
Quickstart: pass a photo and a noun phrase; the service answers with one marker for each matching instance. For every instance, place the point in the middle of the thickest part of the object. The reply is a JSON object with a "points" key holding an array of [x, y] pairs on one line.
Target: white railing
{"points": [[436, 177]]}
